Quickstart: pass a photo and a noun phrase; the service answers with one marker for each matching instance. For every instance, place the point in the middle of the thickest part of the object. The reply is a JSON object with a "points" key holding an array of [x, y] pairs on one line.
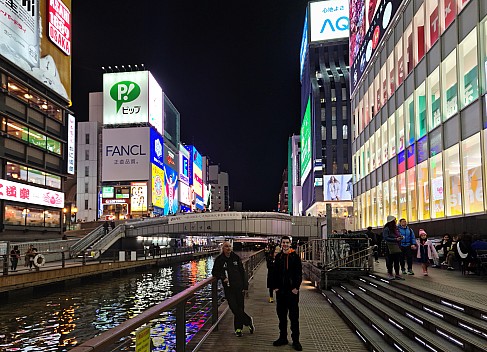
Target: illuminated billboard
{"points": [[369, 20], [156, 149], [170, 158], [337, 187], [305, 136], [71, 143], [328, 20], [132, 97], [197, 172], [138, 196], [157, 186], [304, 46], [185, 194], [171, 191], [107, 192], [125, 154], [36, 37], [184, 158], [19, 192]]}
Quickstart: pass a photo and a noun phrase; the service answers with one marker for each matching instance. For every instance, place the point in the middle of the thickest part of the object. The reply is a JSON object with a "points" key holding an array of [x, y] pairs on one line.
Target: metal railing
{"points": [[87, 241], [111, 339]]}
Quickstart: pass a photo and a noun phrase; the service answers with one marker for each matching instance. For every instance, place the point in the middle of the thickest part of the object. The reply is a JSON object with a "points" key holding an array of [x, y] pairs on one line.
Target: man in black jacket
{"points": [[229, 269], [287, 280]]}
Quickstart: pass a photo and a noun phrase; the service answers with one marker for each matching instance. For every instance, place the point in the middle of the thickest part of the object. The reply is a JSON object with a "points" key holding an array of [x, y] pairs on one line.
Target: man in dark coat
{"points": [[229, 269], [287, 280]]}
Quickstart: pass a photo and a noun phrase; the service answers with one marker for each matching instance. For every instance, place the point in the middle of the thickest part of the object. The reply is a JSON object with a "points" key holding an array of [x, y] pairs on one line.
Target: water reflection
{"points": [[60, 321]]}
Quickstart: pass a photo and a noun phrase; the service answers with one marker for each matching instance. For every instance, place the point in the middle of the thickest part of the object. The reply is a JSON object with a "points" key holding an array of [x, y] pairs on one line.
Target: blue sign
{"points": [[158, 211], [200, 203], [304, 46], [184, 175], [156, 148]]}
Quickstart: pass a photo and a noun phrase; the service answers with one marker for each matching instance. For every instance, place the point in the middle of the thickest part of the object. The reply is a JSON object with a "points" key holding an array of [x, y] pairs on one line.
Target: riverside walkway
{"points": [[321, 327]]}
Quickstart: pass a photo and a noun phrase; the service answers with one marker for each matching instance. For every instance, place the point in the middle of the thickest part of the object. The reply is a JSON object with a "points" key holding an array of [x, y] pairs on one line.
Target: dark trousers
{"points": [[392, 260], [288, 302], [14, 262], [271, 292], [406, 256], [235, 300]]}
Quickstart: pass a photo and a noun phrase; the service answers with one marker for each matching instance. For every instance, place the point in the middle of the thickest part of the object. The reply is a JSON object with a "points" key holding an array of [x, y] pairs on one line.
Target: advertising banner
{"points": [[36, 37], [138, 196], [183, 165], [156, 105], [369, 21], [19, 192], [200, 203], [337, 187], [197, 181], [305, 136], [107, 192], [170, 158], [171, 193], [71, 143], [125, 154], [205, 217], [156, 149], [157, 186], [329, 20], [304, 46], [185, 194]]}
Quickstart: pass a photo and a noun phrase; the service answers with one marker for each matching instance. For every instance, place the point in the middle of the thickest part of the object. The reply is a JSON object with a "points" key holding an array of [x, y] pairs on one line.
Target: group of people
{"points": [[29, 257], [284, 279], [401, 246]]}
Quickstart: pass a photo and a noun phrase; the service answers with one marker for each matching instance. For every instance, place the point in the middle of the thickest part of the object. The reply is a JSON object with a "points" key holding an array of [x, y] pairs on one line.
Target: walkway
{"points": [[321, 328]]}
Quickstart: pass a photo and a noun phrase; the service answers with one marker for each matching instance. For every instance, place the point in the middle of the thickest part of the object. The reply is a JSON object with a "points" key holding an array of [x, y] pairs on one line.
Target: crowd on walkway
{"points": [[29, 257], [283, 279], [400, 247]]}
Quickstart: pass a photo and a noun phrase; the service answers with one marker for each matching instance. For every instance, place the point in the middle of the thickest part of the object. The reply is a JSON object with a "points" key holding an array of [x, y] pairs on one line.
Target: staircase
{"points": [[392, 316]]}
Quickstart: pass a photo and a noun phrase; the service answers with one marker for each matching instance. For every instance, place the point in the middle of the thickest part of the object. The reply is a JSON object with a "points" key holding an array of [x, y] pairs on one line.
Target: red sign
{"points": [[19, 192], [434, 26], [450, 7], [59, 25]]}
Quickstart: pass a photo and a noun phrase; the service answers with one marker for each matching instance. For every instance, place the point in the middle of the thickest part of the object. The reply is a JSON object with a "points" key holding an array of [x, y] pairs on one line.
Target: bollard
{"points": [[63, 260], [84, 258]]}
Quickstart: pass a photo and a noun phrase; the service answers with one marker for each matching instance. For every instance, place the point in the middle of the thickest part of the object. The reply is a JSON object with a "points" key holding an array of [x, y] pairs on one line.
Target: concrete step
{"points": [[449, 312], [369, 334], [388, 306]]}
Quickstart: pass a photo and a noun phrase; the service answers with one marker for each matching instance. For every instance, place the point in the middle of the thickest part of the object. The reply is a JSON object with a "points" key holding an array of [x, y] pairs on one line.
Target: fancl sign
{"points": [[329, 20]]}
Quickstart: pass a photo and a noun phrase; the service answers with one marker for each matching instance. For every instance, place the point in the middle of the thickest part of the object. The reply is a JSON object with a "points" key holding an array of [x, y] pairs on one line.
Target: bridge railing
{"points": [[207, 290]]}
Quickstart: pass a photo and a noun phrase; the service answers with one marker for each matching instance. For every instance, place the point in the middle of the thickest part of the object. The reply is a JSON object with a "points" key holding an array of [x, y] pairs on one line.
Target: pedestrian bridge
{"points": [[229, 223]]}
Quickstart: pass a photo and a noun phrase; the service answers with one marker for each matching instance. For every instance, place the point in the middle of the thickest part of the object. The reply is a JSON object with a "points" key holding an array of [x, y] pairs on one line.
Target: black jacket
{"points": [[287, 271], [232, 268]]}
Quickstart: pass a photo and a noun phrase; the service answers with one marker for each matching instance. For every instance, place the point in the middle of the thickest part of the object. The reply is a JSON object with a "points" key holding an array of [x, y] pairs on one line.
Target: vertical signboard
{"points": [[184, 165], [156, 105], [71, 143], [157, 189], [305, 135], [36, 37], [197, 173], [156, 149], [138, 197], [304, 46], [171, 193]]}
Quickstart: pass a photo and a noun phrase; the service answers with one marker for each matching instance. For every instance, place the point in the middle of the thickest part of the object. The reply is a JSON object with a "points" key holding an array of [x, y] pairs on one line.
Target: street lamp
{"points": [[74, 210], [66, 217], [24, 214]]}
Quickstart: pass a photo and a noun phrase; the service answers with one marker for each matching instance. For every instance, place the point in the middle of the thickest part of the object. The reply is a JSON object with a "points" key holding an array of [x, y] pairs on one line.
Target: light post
{"points": [[67, 219], [25, 212], [74, 210]]}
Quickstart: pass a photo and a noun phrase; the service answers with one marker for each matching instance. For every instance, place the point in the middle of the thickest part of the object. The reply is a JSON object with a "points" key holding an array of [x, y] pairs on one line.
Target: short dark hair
{"points": [[402, 219], [369, 228], [285, 238]]}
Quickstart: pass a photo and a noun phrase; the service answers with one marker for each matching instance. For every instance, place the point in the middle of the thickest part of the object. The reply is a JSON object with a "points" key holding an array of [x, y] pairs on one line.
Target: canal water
{"points": [[62, 320]]}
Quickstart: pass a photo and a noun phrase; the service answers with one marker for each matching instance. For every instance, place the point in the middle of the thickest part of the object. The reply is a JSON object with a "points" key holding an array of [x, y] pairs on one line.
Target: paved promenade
{"points": [[321, 328]]}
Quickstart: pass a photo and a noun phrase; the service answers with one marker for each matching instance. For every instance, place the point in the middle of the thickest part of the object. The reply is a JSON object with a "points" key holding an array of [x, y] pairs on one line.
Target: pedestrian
{"points": [[112, 224], [30, 254], [374, 242], [408, 245], [14, 258], [270, 259], [426, 251], [64, 237], [392, 237], [105, 227], [229, 269], [287, 280]]}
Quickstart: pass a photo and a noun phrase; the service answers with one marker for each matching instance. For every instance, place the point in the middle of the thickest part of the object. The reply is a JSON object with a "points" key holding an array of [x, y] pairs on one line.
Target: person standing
{"points": [[14, 258], [392, 237], [287, 280], [408, 245], [105, 227], [270, 259], [229, 269], [31, 253], [374, 241], [426, 251]]}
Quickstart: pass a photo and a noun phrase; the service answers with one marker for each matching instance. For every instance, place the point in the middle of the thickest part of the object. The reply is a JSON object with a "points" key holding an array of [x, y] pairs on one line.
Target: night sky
{"points": [[231, 68]]}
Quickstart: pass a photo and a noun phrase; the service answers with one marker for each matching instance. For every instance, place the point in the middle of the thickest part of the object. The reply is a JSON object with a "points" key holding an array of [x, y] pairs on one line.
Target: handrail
{"points": [[104, 242], [87, 240], [103, 341], [340, 263]]}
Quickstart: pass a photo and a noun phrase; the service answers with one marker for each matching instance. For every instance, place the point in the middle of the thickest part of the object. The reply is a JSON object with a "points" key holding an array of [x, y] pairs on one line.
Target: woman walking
{"points": [[270, 271], [392, 238]]}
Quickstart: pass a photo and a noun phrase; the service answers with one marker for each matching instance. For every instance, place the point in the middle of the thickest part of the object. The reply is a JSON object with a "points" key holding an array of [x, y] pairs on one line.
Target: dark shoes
{"points": [[251, 326], [297, 346], [280, 342]]}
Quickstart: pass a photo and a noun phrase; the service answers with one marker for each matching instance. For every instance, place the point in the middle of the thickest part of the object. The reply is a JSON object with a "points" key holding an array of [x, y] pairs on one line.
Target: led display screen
{"points": [[157, 186], [107, 192], [184, 165], [20, 192], [36, 37], [369, 20], [171, 191], [329, 20], [138, 196], [71, 143], [338, 187], [305, 136], [185, 194], [304, 46]]}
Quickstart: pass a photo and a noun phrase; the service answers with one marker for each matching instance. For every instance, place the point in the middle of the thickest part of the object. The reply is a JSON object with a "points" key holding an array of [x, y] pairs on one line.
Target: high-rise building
{"points": [[325, 143], [418, 82], [283, 206], [295, 206], [220, 188], [37, 130]]}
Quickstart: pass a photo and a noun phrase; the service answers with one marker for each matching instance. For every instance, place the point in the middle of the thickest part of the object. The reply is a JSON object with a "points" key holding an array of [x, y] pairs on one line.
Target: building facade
{"points": [[419, 112], [220, 188], [37, 129]]}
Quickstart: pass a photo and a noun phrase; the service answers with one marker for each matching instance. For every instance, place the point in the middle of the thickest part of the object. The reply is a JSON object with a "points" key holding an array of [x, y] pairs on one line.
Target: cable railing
{"points": [[124, 334]]}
